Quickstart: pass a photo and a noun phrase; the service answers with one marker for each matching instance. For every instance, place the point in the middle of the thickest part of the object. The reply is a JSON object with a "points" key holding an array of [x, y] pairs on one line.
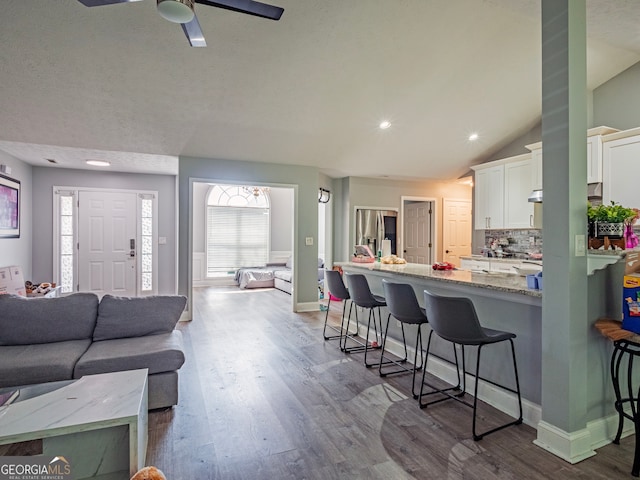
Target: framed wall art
{"points": [[9, 207]]}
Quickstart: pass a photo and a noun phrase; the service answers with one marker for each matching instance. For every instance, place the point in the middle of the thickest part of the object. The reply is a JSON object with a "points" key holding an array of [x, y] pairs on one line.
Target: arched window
{"points": [[237, 228]]}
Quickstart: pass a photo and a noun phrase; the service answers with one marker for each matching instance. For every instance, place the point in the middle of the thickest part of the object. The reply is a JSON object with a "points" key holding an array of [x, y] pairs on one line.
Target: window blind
{"points": [[236, 237]]}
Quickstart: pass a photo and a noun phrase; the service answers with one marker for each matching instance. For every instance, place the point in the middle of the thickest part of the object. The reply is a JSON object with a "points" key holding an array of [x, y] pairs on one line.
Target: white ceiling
{"points": [[121, 83]]}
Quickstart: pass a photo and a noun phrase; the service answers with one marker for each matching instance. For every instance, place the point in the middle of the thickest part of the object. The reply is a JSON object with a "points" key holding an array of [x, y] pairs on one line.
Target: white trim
{"points": [[570, 446], [574, 447], [434, 224], [307, 307]]}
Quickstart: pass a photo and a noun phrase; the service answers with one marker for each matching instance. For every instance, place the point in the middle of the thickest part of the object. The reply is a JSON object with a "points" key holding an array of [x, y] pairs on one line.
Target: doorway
{"points": [[418, 229], [456, 230], [105, 241]]}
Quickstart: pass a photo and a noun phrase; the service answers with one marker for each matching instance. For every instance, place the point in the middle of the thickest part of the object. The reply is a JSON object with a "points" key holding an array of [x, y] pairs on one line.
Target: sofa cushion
{"points": [[283, 275], [158, 353], [26, 321], [47, 362], [126, 317]]}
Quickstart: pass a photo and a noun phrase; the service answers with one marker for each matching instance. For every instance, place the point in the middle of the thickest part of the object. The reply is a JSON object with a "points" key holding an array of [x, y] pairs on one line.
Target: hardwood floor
{"points": [[263, 396]]}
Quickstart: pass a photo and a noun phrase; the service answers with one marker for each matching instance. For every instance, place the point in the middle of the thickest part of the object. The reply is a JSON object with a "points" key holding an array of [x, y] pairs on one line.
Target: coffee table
{"points": [[98, 423]]}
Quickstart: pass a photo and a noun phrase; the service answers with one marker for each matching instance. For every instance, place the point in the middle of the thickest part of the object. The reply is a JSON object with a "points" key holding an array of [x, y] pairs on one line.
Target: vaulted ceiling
{"points": [[121, 83]]}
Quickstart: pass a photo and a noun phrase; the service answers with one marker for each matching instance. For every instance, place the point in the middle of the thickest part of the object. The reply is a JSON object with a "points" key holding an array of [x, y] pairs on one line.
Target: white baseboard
{"points": [[307, 307], [574, 447], [570, 446]]}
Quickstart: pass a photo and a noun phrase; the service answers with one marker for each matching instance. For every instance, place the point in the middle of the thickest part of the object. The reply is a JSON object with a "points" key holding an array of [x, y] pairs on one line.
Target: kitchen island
{"points": [[502, 302]]}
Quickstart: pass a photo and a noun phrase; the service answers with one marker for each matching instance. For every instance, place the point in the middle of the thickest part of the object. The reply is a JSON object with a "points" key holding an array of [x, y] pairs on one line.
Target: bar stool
{"points": [[455, 319], [361, 296], [403, 305], [336, 288]]}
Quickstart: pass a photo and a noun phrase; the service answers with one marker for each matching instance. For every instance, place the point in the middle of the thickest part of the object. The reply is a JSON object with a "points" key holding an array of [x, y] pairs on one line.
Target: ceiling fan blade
{"points": [[249, 7], [97, 3], [194, 33]]}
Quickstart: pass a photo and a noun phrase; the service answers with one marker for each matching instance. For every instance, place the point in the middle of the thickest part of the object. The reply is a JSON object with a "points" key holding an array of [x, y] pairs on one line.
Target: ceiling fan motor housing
{"points": [[176, 11]]}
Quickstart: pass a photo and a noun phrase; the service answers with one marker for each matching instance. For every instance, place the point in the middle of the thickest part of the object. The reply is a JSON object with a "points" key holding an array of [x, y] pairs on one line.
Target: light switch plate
{"points": [[162, 240], [581, 247], [308, 241]]}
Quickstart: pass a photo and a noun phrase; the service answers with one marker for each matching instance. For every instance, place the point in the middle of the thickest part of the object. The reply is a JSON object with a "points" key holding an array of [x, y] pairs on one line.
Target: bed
{"points": [[257, 277], [276, 275]]}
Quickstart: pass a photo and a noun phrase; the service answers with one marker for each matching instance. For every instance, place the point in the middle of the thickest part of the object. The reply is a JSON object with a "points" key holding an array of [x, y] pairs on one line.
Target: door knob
{"points": [[446, 251]]}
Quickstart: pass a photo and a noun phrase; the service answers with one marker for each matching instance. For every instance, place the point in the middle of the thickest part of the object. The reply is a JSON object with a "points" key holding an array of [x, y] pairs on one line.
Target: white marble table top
{"points": [[92, 402]]}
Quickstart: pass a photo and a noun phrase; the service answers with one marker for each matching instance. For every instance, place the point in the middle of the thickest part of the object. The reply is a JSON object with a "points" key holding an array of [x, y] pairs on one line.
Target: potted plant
{"points": [[608, 220]]}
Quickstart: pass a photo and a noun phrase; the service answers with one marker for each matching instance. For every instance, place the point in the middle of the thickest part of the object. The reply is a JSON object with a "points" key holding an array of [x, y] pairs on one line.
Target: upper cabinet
{"points": [[620, 161], [501, 192], [595, 152], [489, 197], [536, 162], [595, 138], [518, 184]]}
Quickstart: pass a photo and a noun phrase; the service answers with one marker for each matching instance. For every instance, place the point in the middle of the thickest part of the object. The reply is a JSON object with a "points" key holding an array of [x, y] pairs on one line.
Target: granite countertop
{"points": [[504, 282]]}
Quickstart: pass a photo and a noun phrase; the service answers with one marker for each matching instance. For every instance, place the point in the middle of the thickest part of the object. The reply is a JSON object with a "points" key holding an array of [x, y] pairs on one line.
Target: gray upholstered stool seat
{"points": [[337, 289], [362, 297]]}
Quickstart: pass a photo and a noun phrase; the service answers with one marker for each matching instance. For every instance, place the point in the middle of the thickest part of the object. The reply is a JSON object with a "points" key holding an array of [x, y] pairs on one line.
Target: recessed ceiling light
{"points": [[98, 163], [385, 124], [473, 137]]}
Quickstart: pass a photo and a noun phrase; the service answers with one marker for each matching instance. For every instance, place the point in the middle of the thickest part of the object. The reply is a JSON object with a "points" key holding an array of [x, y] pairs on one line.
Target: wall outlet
{"points": [[308, 241]]}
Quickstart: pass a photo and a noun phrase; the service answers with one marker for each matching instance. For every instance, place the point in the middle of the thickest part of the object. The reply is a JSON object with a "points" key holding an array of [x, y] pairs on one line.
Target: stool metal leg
{"points": [[402, 368], [518, 421], [359, 347], [336, 329], [369, 346], [434, 389]]}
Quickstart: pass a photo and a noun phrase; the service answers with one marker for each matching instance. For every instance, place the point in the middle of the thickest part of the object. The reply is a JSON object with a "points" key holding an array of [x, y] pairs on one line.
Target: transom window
{"points": [[237, 228]]}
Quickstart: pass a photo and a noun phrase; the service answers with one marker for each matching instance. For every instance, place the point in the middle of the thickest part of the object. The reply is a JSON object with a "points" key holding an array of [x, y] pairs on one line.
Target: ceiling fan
{"points": [[182, 12]]}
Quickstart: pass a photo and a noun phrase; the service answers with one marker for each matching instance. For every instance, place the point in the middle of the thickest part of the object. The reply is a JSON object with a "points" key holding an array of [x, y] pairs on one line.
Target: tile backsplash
{"points": [[516, 242]]}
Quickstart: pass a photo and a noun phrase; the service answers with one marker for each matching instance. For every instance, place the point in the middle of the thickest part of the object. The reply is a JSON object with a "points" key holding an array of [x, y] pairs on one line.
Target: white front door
{"points": [[417, 232], [456, 233], [107, 243]]}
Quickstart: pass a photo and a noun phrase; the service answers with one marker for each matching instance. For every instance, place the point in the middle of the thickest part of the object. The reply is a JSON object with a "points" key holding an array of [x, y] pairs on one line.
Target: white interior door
{"points": [[107, 243], [417, 232], [456, 234]]}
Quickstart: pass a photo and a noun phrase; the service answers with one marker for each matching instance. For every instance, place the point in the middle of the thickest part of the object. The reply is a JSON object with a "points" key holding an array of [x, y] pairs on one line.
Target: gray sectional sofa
{"points": [[52, 339]]}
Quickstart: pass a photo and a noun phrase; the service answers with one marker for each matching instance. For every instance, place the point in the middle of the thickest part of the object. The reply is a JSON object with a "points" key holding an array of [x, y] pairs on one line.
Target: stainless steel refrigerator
{"points": [[373, 226]]}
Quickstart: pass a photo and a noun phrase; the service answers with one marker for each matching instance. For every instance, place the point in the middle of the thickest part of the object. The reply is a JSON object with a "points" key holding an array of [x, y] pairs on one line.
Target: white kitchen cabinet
{"points": [[620, 162], [501, 192], [518, 184], [594, 156], [536, 163], [489, 197], [595, 153]]}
